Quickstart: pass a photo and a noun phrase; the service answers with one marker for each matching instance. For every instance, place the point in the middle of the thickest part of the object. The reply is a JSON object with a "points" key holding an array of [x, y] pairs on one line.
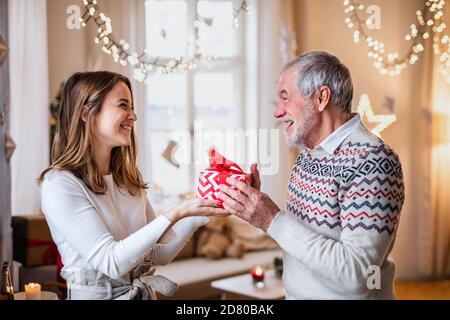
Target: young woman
{"points": [[94, 198]]}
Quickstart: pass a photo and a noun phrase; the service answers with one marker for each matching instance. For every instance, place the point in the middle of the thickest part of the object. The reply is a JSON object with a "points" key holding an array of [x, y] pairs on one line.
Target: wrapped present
{"points": [[32, 241], [219, 170]]}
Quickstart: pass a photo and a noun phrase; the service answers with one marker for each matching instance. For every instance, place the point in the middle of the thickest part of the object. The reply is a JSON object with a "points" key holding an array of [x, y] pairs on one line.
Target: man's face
{"points": [[296, 112]]}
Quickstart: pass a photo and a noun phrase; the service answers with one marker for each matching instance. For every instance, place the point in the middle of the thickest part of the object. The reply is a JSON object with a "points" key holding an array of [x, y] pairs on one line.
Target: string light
{"points": [[377, 123], [119, 50], [236, 12], [429, 22]]}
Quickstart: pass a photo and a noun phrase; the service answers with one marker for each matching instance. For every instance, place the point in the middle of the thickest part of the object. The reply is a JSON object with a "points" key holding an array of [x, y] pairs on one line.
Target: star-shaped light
{"points": [[288, 43], [375, 123]]}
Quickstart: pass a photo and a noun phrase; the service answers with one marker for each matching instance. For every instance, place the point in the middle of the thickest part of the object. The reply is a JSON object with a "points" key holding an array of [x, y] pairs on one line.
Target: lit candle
{"points": [[258, 275], [33, 291]]}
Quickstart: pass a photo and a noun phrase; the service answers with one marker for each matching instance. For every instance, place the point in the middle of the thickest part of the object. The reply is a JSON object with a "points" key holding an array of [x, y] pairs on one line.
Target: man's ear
{"points": [[84, 113], [323, 98]]}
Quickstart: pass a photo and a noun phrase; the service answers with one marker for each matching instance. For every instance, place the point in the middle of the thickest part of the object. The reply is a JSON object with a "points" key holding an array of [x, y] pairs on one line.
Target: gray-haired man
{"points": [[345, 193]]}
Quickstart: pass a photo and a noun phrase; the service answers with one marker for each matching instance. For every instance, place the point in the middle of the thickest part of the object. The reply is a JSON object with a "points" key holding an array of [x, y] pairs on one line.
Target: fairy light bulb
{"points": [[119, 51], [430, 19]]}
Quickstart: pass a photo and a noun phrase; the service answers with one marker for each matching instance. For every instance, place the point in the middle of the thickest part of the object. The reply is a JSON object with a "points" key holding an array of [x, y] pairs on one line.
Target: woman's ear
{"points": [[84, 113]]}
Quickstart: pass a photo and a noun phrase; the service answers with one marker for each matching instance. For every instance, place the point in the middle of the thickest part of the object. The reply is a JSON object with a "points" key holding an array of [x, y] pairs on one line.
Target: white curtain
{"points": [[433, 171], [439, 216], [5, 174], [29, 101], [271, 23]]}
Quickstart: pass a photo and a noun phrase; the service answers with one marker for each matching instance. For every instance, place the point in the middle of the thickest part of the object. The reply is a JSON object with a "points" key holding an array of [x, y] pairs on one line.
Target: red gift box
{"points": [[220, 169]]}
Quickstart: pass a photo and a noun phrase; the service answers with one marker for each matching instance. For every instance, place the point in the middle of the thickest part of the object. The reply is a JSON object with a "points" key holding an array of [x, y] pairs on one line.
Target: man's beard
{"points": [[303, 129]]}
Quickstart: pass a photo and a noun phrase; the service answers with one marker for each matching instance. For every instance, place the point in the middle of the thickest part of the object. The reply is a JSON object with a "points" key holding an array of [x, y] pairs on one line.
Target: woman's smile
{"points": [[127, 126]]}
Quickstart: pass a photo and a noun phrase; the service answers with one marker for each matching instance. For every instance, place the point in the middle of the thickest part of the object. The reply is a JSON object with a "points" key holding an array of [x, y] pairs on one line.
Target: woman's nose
{"points": [[133, 116]]}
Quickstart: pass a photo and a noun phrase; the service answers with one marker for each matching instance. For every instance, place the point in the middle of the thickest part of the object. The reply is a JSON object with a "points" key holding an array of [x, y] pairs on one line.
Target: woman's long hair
{"points": [[72, 147]]}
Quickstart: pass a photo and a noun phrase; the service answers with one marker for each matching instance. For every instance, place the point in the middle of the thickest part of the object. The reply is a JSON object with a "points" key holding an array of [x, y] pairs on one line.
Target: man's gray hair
{"points": [[319, 68]]}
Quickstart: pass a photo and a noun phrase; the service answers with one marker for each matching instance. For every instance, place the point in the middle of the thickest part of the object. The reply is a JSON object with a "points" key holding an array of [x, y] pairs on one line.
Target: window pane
{"points": [[215, 100], [220, 38], [165, 28], [166, 96], [213, 91], [173, 180]]}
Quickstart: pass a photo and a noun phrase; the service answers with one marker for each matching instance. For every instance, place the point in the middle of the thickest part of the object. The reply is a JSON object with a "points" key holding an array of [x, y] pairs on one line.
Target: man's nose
{"points": [[279, 111]]}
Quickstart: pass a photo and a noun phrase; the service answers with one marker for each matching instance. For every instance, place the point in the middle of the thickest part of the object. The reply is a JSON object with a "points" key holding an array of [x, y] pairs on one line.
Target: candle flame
{"points": [[258, 271]]}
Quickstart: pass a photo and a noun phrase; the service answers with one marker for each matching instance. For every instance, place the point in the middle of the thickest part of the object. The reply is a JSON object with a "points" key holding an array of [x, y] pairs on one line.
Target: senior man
{"points": [[345, 193]]}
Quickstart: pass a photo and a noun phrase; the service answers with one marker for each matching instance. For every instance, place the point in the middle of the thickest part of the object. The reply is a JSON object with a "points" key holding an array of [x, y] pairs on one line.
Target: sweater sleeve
{"points": [[68, 209], [151, 215], [174, 240], [370, 204]]}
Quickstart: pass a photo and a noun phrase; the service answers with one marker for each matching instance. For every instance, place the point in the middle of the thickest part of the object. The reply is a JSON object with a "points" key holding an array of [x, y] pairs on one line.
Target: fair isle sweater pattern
{"points": [[360, 186]]}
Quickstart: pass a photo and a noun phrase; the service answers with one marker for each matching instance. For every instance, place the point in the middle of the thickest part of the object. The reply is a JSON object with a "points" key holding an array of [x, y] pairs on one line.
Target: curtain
{"points": [[434, 231], [29, 101], [5, 174], [422, 166], [440, 171]]}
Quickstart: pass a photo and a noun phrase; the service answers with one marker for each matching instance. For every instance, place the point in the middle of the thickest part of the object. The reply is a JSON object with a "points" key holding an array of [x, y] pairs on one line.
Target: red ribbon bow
{"points": [[225, 167]]}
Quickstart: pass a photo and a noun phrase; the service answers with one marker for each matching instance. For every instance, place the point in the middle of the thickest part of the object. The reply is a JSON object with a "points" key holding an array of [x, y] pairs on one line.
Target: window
{"points": [[191, 107]]}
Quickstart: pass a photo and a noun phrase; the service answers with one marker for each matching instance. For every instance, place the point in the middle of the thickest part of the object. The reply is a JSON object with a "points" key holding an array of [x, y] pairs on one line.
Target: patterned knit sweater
{"points": [[342, 216]]}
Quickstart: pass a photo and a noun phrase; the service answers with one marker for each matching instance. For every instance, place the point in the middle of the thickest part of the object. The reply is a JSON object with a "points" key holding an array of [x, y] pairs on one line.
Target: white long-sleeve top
{"points": [[107, 235]]}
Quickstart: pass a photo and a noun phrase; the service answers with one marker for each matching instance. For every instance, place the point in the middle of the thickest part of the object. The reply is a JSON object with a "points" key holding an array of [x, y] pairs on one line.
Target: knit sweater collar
{"points": [[335, 139]]}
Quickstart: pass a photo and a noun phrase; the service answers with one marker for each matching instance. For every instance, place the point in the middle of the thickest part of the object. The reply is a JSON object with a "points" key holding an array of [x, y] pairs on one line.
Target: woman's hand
{"points": [[196, 207]]}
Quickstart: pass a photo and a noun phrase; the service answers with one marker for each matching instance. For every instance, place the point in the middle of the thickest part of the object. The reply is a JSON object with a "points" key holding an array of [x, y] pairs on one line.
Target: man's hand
{"points": [[248, 203], [255, 180]]}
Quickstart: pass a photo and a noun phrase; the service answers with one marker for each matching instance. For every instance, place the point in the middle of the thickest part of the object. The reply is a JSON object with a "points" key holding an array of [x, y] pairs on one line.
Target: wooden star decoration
{"points": [[3, 50], [169, 152], [10, 146], [376, 123]]}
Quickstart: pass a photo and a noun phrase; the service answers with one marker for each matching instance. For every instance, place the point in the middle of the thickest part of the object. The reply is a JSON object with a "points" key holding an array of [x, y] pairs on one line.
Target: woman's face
{"points": [[114, 122]]}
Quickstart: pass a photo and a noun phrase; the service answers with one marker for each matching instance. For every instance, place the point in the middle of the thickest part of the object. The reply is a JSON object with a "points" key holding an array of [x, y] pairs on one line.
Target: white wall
{"points": [[67, 49]]}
